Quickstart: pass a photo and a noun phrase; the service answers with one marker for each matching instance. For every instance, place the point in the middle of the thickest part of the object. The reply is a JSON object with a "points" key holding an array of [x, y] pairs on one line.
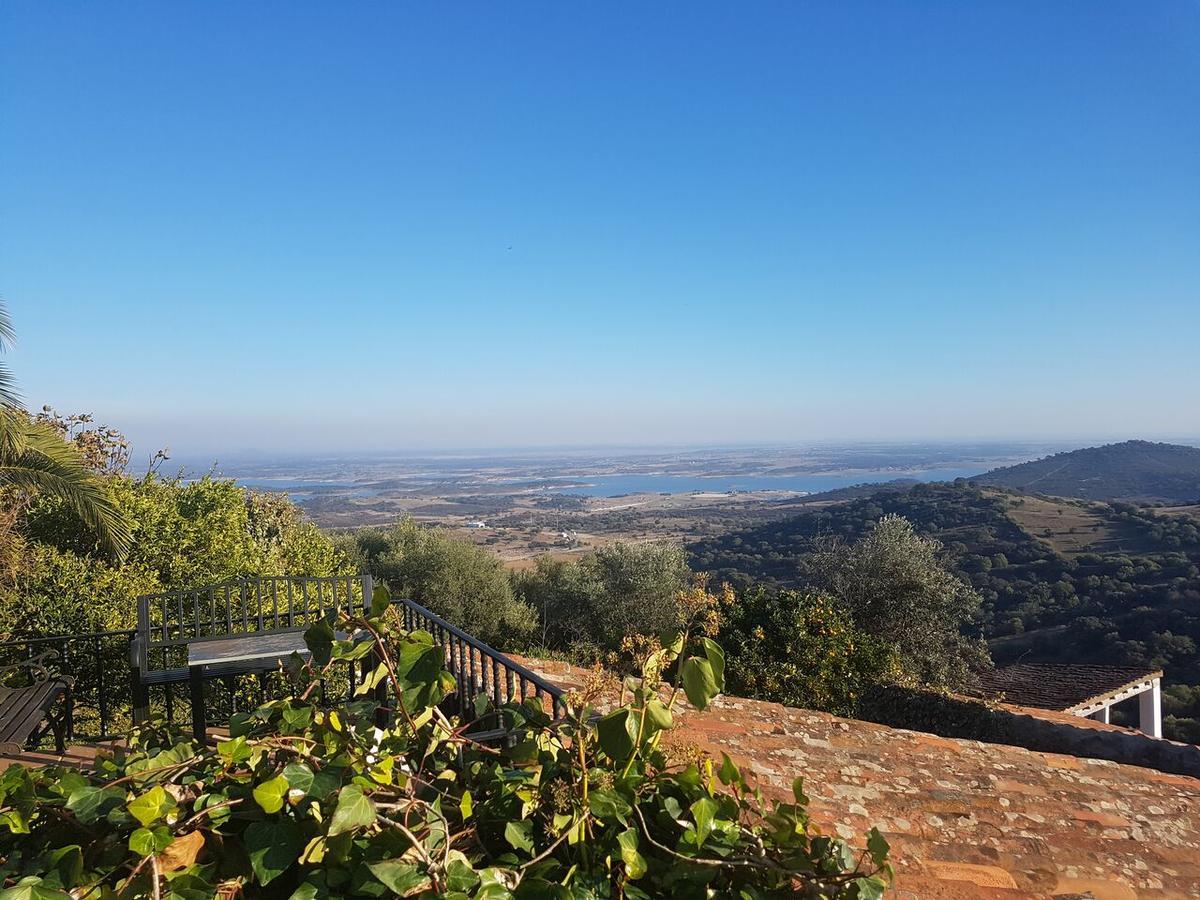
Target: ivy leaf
{"points": [[91, 804], [378, 674], [402, 878], [319, 640], [299, 776], [608, 804], [354, 810], [149, 842], [699, 681], [716, 659], [870, 888], [234, 751], [729, 772], [297, 717], [658, 715], [33, 890], [635, 863], [465, 805], [798, 791], [617, 732], [312, 889], [271, 794], [519, 834], [151, 806], [703, 811], [877, 846], [65, 866], [381, 599], [273, 848], [461, 877]]}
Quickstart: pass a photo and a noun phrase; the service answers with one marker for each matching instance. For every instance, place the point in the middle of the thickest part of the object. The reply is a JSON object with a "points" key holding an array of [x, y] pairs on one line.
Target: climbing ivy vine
{"points": [[307, 802]]}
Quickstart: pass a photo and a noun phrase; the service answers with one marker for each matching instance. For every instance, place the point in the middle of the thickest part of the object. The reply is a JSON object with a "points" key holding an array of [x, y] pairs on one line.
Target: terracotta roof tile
{"points": [[1060, 687], [967, 819]]}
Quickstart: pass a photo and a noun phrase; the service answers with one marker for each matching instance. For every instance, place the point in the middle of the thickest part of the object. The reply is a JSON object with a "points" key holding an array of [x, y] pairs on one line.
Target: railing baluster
{"points": [[102, 695]]}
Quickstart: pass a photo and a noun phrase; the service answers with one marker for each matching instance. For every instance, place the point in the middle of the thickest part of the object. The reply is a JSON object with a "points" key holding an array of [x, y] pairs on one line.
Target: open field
{"points": [[1072, 527], [1191, 512]]}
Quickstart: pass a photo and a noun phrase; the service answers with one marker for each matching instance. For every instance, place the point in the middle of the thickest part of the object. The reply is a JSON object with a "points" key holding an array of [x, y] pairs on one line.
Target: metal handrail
{"points": [[24, 642], [108, 693], [478, 669]]}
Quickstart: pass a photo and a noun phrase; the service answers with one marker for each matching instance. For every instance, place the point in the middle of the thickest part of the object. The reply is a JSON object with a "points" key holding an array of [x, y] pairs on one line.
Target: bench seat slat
{"points": [[23, 709]]}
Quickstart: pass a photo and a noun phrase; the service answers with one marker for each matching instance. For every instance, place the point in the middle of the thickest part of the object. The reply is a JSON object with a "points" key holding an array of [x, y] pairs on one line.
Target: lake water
{"points": [[619, 485], [645, 483]]}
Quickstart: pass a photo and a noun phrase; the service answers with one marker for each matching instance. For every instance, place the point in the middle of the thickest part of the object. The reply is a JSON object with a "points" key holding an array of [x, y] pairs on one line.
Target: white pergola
{"points": [[1080, 689], [1149, 693]]}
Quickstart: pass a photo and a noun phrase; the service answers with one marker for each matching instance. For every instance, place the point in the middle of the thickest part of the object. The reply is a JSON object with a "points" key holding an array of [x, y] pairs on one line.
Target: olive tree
{"points": [[894, 586]]}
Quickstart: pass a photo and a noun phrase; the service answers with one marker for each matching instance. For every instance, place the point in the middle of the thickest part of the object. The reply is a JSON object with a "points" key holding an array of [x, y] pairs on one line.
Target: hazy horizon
{"points": [[328, 229]]}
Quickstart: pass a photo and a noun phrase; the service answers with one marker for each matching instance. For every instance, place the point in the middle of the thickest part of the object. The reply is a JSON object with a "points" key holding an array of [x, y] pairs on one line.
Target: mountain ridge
{"points": [[1129, 470]]}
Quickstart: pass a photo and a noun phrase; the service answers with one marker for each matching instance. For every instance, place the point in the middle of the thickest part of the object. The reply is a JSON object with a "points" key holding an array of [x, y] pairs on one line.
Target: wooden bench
{"points": [[271, 609], [27, 712]]}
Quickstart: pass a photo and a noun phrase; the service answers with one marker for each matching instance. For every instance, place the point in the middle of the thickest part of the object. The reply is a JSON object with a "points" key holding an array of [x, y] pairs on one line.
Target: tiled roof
{"points": [[966, 819], [1060, 687]]}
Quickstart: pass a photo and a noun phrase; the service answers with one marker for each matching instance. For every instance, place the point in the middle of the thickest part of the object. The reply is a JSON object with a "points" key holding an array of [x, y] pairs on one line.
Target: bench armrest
{"points": [[37, 668], [137, 653]]}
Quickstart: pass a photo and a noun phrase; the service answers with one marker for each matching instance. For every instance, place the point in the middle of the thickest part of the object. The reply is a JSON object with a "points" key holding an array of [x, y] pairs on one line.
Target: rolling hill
{"points": [[1132, 470], [1067, 581]]}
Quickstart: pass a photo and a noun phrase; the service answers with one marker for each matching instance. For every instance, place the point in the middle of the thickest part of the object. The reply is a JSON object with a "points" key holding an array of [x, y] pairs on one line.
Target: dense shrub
{"points": [[465, 584], [185, 534], [601, 599], [801, 649]]}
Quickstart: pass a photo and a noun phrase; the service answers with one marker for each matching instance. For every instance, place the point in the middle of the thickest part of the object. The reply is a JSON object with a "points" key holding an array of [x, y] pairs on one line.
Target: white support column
{"points": [[1150, 710], [1101, 715]]}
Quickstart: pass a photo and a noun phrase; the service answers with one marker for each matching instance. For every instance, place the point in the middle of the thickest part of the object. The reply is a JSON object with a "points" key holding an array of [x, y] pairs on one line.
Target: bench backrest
{"points": [[169, 621]]}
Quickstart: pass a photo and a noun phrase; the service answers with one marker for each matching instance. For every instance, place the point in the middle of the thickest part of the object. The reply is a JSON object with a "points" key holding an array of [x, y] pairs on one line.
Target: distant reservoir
{"points": [[619, 485]]}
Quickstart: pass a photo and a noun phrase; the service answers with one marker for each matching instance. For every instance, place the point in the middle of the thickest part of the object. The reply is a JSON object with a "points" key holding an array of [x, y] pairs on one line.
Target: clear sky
{"points": [[401, 225]]}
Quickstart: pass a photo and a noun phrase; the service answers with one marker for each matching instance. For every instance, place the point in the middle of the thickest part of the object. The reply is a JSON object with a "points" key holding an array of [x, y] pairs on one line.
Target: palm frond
{"points": [[10, 397], [8, 334], [44, 462]]}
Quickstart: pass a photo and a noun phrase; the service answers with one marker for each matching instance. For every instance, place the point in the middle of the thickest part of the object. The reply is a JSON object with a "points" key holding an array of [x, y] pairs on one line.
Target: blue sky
{"points": [[378, 225]]}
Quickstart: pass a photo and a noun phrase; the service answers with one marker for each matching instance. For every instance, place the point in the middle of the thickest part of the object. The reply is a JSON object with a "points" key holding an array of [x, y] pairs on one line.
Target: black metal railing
{"points": [[99, 664], [110, 668], [480, 669]]}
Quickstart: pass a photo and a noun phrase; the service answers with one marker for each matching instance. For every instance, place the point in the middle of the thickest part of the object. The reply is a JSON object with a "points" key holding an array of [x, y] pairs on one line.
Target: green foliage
{"points": [[1140, 470], [621, 590], [895, 588], [306, 802], [802, 649], [463, 583], [184, 534], [1132, 600], [35, 459]]}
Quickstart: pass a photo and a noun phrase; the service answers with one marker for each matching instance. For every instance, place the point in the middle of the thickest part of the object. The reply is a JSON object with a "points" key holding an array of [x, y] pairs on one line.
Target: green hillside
{"points": [[1080, 582], [1133, 470]]}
